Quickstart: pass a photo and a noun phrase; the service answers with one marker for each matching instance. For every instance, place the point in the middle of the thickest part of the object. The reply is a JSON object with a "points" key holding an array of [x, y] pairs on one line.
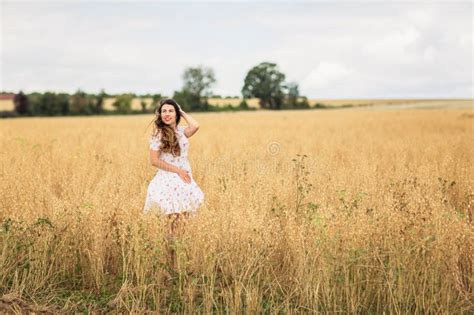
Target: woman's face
{"points": [[168, 114]]}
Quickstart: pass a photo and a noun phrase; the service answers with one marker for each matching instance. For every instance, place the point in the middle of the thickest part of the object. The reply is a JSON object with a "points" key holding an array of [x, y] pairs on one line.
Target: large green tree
{"points": [[265, 82], [196, 89]]}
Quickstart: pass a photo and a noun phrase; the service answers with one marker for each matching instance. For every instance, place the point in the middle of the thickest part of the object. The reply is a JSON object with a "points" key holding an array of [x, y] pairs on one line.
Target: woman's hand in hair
{"points": [[180, 110]]}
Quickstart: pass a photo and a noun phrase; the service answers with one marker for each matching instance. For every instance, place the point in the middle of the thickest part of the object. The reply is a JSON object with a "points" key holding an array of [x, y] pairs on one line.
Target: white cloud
{"points": [[326, 74], [394, 46], [341, 49]]}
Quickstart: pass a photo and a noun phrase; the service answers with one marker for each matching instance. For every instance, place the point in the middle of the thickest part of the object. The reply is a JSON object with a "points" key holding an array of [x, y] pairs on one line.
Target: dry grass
{"points": [[375, 218], [7, 105]]}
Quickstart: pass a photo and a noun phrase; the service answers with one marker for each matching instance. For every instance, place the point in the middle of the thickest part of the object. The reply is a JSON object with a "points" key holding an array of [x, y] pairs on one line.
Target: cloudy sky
{"points": [[334, 49]]}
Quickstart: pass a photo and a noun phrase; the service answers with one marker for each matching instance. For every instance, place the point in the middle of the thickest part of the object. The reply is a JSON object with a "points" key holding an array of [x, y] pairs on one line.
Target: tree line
{"points": [[264, 81]]}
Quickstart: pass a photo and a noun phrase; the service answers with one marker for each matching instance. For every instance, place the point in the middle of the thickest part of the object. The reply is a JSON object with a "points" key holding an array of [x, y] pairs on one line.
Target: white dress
{"points": [[167, 192]]}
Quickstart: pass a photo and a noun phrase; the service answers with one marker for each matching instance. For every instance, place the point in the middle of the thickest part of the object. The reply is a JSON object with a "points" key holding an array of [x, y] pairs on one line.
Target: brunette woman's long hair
{"points": [[169, 140]]}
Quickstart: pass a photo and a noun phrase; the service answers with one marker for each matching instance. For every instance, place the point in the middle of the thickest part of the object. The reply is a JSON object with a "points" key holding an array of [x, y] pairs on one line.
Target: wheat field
{"points": [[305, 212]]}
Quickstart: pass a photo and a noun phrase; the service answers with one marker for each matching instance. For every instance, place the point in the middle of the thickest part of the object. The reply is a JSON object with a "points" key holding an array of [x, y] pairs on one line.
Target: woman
{"points": [[173, 190]]}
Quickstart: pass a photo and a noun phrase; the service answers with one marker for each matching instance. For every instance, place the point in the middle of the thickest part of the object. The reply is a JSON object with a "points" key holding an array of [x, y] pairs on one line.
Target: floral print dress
{"points": [[167, 192]]}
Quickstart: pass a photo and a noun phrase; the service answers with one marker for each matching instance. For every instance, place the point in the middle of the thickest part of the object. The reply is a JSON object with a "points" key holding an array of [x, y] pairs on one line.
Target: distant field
{"points": [[7, 105], [347, 212]]}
